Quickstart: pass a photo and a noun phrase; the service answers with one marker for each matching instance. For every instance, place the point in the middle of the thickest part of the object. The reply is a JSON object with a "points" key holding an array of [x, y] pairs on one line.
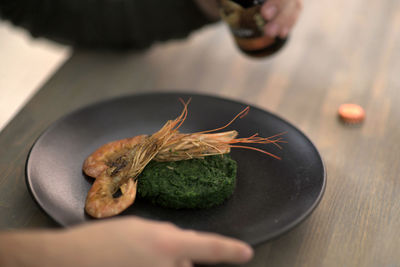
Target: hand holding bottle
{"points": [[260, 27]]}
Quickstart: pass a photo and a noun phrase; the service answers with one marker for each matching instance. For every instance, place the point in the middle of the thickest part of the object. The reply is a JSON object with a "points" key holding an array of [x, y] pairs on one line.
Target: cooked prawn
{"points": [[118, 164], [125, 165]]}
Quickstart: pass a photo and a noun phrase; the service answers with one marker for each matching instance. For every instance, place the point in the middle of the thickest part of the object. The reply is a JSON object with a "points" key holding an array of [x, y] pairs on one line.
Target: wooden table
{"points": [[341, 51]]}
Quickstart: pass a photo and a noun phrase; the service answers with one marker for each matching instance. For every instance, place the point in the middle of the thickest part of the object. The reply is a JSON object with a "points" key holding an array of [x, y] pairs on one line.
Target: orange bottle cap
{"points": [[351, 113]]}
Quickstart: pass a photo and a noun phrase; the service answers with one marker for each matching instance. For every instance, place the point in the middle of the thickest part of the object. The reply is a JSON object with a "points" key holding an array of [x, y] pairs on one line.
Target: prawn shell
{"points": [[101, 204], [96, 163]]}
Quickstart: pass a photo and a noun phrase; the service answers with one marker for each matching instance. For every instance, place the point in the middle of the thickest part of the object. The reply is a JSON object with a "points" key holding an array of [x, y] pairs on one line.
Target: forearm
{"points": [[61, 248], [29, 249], [106, 23]]}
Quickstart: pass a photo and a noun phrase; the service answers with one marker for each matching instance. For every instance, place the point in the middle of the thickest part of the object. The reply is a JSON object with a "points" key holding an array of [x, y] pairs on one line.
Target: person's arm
{"points": [[132, 242], [106, 23]]}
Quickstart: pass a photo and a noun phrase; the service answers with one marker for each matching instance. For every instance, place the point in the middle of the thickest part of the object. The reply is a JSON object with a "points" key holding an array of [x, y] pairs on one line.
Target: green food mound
{"points": [[194, 183]]}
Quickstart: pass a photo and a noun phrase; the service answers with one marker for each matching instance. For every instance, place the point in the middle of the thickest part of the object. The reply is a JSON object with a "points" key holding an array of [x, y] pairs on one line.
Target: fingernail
{"points": [[272, 29], [270, 12]]}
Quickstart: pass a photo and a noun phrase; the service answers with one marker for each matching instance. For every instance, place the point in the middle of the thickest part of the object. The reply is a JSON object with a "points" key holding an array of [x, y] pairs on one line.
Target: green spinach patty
{"points": [[194, 183]]}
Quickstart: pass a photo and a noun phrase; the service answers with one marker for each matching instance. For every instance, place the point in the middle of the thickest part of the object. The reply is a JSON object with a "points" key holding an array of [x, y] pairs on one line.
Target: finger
{"points": [[211, 248], [271, 8], [288, 17], [284, 20]]}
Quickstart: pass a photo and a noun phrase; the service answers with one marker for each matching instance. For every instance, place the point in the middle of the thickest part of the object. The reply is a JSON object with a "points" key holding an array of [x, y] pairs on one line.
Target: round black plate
{"points": [[271, 197]]}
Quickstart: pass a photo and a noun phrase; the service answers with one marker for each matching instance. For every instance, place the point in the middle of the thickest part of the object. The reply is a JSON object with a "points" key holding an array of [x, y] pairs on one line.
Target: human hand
{"points": [[281, 16], [137, 242]]}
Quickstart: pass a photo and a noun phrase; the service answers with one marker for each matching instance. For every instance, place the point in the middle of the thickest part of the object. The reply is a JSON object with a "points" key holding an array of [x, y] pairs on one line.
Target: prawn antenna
{"points": [[240, 115]]}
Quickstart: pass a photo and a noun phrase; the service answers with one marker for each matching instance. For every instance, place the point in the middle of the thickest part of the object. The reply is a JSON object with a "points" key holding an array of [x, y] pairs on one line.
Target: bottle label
{"points": [[246, 24]]}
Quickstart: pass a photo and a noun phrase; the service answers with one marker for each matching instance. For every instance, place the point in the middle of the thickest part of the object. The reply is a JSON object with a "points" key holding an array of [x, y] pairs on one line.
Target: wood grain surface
{"points": [[341, 51]]}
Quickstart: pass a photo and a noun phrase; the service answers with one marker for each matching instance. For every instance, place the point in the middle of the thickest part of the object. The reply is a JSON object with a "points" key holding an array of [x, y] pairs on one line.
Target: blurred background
{"points": [[25, 65]]}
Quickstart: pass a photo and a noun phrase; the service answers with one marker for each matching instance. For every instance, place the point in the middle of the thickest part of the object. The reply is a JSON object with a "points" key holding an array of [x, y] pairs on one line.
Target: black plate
{"points": [[272, 196]]}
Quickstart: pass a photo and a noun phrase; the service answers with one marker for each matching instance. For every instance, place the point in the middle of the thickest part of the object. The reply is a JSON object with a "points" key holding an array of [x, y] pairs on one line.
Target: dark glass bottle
{"points": [[247, 27]]}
